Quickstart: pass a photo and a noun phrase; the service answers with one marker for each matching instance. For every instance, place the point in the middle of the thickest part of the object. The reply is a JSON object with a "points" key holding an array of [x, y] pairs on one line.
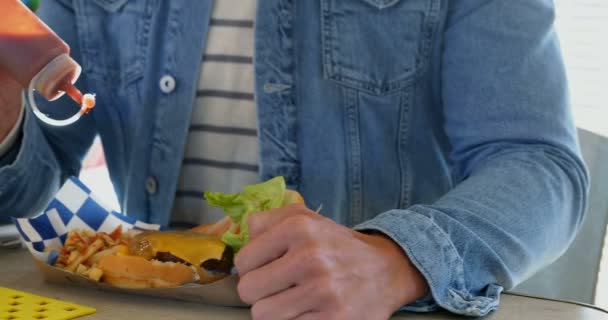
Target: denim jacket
{"points": [[444, 124]]}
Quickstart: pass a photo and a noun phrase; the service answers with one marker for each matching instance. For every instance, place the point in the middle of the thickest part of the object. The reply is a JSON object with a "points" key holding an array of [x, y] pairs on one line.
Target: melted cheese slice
{"points": [[192, 247]]}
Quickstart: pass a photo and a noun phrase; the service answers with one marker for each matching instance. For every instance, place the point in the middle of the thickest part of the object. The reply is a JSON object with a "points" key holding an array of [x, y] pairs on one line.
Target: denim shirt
{"points": [[443, 124]]}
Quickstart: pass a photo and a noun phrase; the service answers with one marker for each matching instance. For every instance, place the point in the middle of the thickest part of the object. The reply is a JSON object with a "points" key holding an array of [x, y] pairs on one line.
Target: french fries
{"points": [[83, 249]]}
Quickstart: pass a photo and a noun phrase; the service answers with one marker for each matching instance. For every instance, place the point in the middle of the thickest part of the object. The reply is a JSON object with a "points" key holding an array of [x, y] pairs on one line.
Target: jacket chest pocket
{"points": [[116, 37], [377, 46]]}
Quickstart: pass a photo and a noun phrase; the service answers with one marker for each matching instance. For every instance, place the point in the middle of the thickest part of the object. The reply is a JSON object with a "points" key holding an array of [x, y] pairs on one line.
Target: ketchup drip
{"points": [[73, 92], [87, 101]]}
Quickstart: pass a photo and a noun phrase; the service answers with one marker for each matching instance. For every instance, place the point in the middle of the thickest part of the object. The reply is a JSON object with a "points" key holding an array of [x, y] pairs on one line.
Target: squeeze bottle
{"points": [[36, 57]]}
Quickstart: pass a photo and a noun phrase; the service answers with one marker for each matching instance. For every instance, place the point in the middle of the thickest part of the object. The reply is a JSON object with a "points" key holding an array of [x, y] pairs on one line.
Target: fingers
{"points": [[277, 276], [262, 250], [288, 304], [312, 316], [262, 221], [282, 267], [276, 241]]}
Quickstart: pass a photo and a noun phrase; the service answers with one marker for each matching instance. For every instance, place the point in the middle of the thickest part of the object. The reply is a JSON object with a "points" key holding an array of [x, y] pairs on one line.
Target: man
{"points": [[440, 130]]}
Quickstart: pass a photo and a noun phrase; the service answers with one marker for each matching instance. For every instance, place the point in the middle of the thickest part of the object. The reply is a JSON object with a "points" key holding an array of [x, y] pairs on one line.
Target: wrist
{"points": [[404, 282]]}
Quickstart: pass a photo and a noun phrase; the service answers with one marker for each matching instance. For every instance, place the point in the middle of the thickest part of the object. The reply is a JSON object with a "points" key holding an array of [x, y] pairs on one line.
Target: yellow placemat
{"points": [[19, 305]]}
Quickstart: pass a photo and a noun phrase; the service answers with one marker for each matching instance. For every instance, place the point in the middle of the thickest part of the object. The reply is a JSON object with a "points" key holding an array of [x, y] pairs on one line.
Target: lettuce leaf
{"points": [[239, 206]]}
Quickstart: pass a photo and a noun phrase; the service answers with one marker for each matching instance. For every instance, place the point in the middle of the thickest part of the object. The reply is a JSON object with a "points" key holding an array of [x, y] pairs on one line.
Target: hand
{"points": [[301, 265], [10, 103]]}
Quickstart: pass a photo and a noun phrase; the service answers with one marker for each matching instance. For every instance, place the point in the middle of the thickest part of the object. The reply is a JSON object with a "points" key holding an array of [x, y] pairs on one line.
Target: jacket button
{"points": [[167, 84], [151, 185]]}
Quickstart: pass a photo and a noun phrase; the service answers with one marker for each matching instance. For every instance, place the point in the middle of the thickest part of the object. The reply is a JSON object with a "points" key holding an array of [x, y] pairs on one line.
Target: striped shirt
{"points": [[221, 152]]}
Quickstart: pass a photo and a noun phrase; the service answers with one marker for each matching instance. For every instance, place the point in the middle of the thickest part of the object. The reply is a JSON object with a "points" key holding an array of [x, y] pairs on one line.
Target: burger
{"points": [[168, 259], [161, 259]]}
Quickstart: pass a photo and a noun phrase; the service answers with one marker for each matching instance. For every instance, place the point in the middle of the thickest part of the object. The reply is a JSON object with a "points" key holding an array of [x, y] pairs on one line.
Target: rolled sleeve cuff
{"points": [[10, 140], [430, 249]]}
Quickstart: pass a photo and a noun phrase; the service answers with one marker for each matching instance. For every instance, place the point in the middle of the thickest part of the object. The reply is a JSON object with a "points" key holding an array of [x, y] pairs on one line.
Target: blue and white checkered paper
{"points": [[74, 207]]}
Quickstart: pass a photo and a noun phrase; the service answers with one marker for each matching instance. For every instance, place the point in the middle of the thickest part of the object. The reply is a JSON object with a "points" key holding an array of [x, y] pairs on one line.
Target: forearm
{"points": [[29, 173], [521, 209], [40, 161], [516, 213]]}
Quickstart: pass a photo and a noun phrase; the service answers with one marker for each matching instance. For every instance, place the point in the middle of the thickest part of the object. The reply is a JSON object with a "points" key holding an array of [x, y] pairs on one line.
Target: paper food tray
{"points": [[76, 207]]}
